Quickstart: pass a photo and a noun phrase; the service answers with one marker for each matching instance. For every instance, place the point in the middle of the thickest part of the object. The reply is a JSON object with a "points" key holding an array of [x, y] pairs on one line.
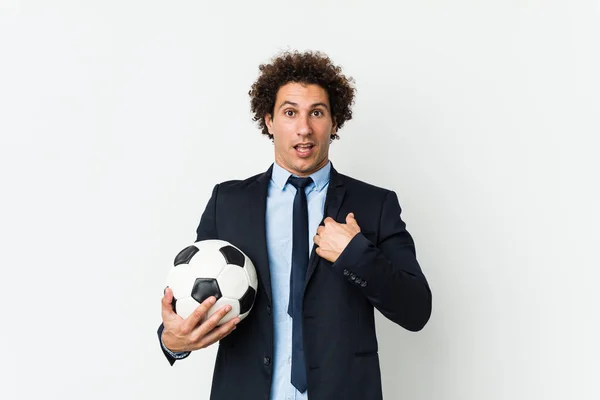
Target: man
{"points": [[328, 249]]}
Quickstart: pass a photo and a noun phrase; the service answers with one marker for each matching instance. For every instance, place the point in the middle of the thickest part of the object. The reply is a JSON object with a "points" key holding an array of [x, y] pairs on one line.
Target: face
{"points": [[301, 126]]}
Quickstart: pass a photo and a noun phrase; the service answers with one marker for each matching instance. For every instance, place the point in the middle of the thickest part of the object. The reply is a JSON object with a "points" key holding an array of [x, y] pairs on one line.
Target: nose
{"points": [[304, 128]]}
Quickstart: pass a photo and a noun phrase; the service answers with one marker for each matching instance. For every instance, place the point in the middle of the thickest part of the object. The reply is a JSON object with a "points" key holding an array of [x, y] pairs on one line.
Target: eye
{"points": [[318, 113], [289, 113]]}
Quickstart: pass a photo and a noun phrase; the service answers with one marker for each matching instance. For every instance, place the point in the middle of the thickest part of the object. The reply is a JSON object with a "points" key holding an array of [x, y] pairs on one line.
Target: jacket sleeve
{"points": [[387, 271], [207, 229]]}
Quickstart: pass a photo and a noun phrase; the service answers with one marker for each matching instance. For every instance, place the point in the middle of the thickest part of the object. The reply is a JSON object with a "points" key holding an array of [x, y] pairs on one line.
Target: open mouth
{"points": [[304, 149], [304, 146]]}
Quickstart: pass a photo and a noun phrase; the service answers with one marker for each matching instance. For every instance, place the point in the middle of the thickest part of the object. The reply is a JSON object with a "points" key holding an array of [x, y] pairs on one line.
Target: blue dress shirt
{"points": [[280, 202]]}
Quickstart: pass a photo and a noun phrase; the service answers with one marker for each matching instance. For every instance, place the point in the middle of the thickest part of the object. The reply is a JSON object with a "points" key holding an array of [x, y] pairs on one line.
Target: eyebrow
{"points": [[311, 106]]}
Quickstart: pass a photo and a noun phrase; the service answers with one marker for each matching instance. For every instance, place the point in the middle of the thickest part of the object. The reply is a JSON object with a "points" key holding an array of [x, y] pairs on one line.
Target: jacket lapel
{"points": [[257, 209], [333, 202]]}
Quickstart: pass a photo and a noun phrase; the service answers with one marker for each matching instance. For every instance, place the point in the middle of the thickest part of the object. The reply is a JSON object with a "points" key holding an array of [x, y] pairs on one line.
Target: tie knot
{"points": [[299, 183]]}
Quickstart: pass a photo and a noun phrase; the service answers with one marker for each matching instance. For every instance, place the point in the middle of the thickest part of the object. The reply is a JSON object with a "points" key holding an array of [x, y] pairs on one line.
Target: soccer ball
{"points": [[213, 268]]}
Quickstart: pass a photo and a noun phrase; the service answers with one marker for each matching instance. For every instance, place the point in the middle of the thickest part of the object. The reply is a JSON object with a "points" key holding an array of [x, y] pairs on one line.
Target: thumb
{"points": [[350, 219], [167, 308]]}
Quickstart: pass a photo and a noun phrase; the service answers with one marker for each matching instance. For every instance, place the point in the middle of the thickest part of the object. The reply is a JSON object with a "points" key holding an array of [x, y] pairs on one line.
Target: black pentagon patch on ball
{"points": [[232, 255], [185, 255], [204, 288], [247, 300], [174, 304]]}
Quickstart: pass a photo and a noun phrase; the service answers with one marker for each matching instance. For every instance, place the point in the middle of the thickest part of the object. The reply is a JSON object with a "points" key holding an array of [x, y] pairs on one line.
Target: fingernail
{"points": [[227, 308], [213, 300], [165, 291]]}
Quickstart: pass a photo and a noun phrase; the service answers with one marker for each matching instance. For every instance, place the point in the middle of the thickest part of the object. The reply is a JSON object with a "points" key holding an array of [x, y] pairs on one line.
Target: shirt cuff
{"points": [[177, 356]]}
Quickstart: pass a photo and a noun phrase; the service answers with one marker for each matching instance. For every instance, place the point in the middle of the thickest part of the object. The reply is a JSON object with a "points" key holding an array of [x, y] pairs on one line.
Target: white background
{"points": [[118, 117]]}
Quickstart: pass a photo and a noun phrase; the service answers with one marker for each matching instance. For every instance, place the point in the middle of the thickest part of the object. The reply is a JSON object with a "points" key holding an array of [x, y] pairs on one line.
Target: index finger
{"points": [[195, 317], [328, 220]]}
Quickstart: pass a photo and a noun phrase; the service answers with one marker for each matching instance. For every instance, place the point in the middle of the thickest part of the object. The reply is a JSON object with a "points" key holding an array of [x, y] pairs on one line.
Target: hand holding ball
{"points": [[213, 268]]}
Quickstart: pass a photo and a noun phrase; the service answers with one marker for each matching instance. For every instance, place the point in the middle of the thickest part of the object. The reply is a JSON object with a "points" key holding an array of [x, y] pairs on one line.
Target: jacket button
{"points": [[267, 361], [346, 272], [352, 277], [363, 284], [358, 281]]}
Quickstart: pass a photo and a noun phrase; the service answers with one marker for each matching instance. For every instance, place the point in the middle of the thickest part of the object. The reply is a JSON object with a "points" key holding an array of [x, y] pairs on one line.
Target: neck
{"points": [[302, 174]]}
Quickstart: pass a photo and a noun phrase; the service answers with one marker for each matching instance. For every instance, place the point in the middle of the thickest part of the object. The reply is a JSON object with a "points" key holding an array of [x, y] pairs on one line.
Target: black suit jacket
{"points": [[378, 269]]}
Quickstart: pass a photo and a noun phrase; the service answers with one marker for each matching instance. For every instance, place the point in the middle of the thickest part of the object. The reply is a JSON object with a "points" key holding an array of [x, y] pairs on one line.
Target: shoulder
{"points": [[237, 185], [364, 188]]}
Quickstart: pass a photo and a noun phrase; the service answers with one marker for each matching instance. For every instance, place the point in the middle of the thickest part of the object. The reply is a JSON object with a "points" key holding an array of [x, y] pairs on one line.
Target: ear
{"points": [[269, 122]]}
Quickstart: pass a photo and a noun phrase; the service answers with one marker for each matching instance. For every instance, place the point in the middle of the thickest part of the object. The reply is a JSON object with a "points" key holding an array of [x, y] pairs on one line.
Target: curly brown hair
{"points": [[306, 68]]}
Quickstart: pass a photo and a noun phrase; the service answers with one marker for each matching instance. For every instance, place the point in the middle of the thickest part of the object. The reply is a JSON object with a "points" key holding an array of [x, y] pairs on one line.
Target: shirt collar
{"points": [[280, 176]]}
